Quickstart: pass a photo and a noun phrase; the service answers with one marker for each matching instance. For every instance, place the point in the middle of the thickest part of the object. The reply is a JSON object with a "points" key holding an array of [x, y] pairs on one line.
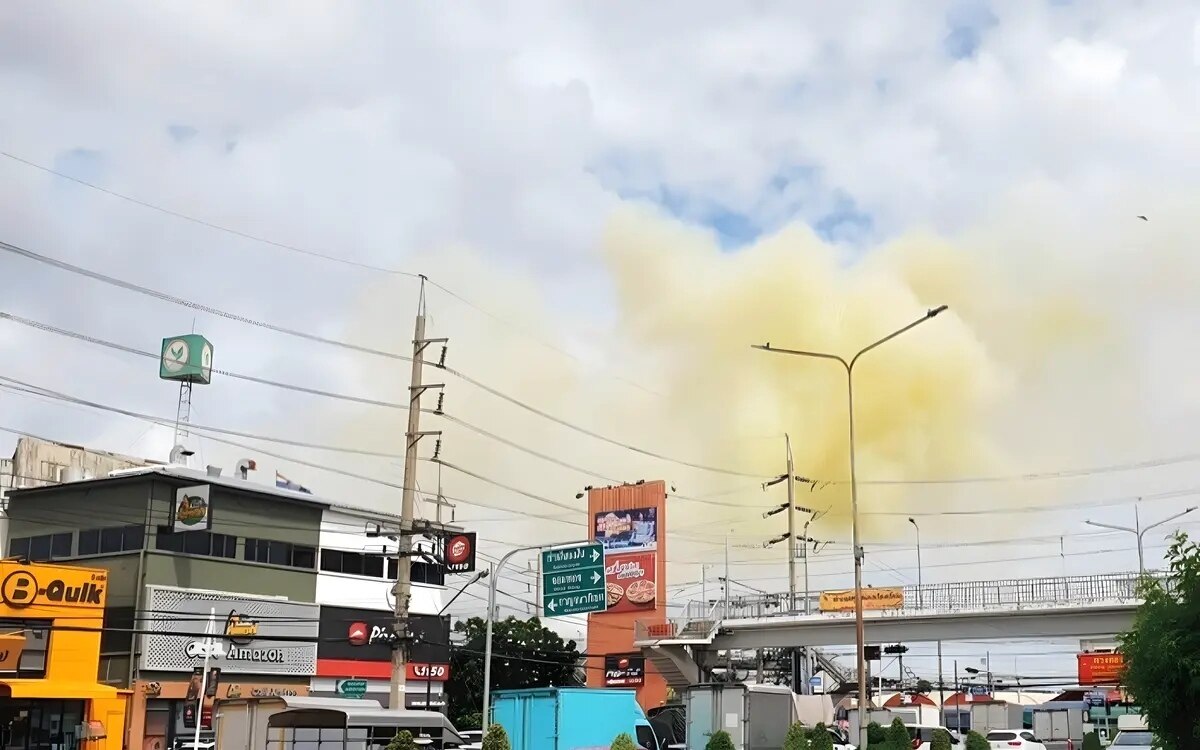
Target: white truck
{"points": [[756, 717]]}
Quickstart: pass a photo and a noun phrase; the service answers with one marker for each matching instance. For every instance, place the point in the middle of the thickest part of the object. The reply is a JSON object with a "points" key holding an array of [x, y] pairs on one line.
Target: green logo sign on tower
{"points": [[573, 580], [187, 359]]}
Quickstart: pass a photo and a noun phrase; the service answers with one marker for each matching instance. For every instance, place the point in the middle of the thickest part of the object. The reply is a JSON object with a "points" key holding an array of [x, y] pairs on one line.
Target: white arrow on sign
{"points": [[595, 577], [595, 555], [551, 605]]}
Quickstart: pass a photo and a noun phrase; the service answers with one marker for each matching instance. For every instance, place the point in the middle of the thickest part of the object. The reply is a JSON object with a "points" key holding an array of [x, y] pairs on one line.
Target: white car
{"points": [[922, 736], [1132, 738], [1021, 739]]}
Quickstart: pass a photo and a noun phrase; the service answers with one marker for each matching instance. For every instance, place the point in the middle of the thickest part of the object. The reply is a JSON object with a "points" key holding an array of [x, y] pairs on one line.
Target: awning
{"points": [[16, 688]]}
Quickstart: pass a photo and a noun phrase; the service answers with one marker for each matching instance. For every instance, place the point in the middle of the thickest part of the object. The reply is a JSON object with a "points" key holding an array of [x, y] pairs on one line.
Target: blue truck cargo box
{"points": [[570, 718]]}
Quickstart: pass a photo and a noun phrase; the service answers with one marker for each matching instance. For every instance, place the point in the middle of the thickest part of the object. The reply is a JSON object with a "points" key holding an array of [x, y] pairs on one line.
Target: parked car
{"points": [[1023, 739], [1133, 738], [922, 736]]}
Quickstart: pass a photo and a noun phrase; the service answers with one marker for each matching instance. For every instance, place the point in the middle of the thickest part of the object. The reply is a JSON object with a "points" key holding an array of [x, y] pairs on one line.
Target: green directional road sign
{"points": [[573, 580], [352, 688]]}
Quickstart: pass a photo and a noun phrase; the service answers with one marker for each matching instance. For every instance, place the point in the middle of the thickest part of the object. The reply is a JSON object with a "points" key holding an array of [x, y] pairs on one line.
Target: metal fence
{"points": [[700, 618]]}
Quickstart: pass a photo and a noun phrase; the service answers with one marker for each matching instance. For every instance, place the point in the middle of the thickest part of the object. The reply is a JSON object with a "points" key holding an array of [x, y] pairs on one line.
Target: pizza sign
{"points": [[630, 581]]}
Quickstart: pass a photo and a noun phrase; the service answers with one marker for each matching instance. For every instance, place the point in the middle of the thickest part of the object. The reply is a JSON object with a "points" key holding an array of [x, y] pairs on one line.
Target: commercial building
{"points": [[354, 584], [180, 544], [51, 618]]}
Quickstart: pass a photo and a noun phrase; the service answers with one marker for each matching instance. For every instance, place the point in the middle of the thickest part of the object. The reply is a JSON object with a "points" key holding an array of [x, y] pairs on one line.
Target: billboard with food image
{"points": [[630, 581], [621, 530]]}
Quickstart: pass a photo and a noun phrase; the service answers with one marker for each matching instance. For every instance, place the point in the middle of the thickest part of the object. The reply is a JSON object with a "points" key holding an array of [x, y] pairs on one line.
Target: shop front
{"points": [[51, 617], [354, 657], [259, 649]]}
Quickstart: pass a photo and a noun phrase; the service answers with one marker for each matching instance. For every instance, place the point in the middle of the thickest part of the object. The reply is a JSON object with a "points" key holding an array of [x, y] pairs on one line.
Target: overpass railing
{"points": [[700, 619], [1004, 594]]}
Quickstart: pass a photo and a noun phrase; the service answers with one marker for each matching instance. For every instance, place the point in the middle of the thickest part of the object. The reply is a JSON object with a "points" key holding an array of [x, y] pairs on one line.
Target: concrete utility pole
{"points": [[864, 685], [403, 587], [791, 500]]}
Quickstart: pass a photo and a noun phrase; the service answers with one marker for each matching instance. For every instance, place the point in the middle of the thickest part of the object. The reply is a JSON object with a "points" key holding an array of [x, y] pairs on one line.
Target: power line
{"points": [[314, 254], [45, 327]]}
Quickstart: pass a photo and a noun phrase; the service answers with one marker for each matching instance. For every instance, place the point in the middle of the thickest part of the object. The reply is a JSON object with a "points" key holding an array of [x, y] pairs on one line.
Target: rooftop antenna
{"points": [[187, 360]]}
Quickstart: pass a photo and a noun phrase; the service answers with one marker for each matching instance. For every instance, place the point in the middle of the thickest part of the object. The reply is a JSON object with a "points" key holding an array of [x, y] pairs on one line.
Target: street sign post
{"points": [[573, 580]]}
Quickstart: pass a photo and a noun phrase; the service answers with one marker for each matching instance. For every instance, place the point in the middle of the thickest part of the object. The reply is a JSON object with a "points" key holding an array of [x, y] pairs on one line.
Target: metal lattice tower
{"points": [[183, 412]]}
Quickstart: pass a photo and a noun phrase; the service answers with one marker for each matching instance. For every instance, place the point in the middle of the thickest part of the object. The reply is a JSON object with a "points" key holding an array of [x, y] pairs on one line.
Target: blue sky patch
{"points": [[181, 133], [967, 22]]}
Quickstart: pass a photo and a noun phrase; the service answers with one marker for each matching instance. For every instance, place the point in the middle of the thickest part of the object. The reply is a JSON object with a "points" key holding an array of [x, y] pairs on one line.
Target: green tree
{"points": [[524, 655], [623, 742], [1162, 650], [1091, 741], [941, 740], [797, 738], [496, 738], [897, 736], [924, 687], [472, 720], [402, 741], [976, 741], [819, 738], [720, 740], [876, 735]]}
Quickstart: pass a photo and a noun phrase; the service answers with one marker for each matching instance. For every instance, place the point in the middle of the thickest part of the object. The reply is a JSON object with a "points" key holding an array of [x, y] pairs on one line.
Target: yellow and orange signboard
{"points": [[873, 599]]}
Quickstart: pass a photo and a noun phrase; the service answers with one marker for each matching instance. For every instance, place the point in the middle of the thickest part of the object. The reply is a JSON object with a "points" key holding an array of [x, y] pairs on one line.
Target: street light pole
{"points": [[920, 583], [864, 689], [1140, 532], [491, 615]]}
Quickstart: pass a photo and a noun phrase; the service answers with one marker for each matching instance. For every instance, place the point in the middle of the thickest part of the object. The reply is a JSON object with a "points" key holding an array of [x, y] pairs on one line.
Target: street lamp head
{"points": [[913, 521], [933, 313]]}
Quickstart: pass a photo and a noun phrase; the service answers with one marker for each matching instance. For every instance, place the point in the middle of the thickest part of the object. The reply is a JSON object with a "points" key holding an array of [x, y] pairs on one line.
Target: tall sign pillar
{"points": [[628, 522], [187, 360]]}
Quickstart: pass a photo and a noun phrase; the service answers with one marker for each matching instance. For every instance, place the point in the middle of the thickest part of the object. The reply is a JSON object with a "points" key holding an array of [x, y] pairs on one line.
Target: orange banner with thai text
{"points": [[843, 601]]}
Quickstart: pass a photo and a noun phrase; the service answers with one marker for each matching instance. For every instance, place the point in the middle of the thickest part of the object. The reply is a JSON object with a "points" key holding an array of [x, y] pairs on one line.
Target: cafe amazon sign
{"points": [[26, 586]]}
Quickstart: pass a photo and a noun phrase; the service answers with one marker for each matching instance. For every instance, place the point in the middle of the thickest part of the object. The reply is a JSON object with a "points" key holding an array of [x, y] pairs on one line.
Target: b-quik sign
{"points": [[29, 586]]}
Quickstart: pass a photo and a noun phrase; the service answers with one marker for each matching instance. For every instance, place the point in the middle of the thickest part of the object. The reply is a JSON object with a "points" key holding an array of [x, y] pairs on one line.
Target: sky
{"points": [[611, 205]]}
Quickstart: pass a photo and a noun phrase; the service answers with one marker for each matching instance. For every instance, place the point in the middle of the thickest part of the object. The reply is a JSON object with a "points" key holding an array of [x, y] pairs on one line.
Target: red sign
{"points": [[630, 581], [1100, 669], [460, 553], [427, 672]]}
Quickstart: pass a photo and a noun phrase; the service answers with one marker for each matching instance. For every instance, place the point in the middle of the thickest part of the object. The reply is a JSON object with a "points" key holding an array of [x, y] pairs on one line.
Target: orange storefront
{"points": [[629, 520], [51, 617]]}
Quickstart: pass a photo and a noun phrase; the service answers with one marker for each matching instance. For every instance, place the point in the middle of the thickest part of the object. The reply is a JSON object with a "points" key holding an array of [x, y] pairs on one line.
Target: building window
{"points": [[376, 565], [32, 663], [111, 539], [274, 552], [206, 543], [43, 547]]}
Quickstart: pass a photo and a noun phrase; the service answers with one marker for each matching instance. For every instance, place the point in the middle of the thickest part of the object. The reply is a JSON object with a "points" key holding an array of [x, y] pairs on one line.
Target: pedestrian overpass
{"points": [[683, 648]]}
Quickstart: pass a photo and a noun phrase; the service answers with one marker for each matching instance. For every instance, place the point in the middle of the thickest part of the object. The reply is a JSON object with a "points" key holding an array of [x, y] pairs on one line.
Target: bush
{"points": [[941, 740], [876, 735], [402, 741], [1091, 741], [469, 721], [623, 742], [897, 736], [797, 738], [720, 740], [496, 738], [819, 738], [976, 741]]}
